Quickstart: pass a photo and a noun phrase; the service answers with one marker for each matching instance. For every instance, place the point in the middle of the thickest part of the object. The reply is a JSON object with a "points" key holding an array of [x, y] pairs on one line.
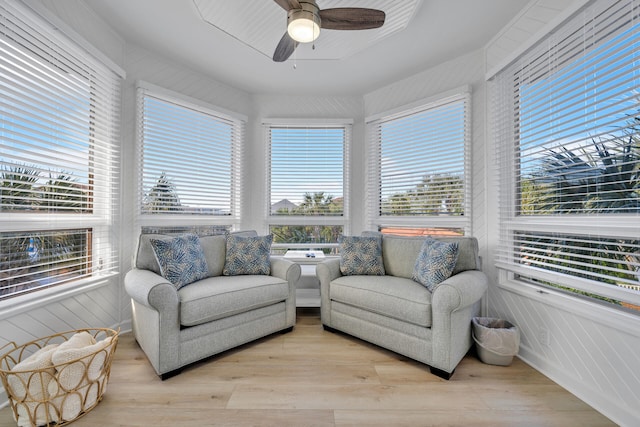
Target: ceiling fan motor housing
{"points": [[303, 25]]}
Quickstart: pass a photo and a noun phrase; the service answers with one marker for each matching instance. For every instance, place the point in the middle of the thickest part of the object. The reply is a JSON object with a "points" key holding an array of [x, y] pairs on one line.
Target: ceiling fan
{"points": [[305, 18]]}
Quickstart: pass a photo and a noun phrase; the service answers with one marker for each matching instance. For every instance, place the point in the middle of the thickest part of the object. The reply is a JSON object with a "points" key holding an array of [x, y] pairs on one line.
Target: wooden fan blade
{"points": [[285, 48], [288, 4], [351, 18]]}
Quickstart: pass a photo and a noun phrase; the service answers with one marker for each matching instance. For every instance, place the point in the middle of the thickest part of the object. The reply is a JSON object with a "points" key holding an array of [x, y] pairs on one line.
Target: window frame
{"points": [[103, 101], [309, 220], [197, 223], [511, 222], [417, 223]]}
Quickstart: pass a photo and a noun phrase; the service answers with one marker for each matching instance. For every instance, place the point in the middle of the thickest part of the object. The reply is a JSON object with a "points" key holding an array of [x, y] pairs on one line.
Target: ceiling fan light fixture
{"points": [[304, 20], [303, 25]]}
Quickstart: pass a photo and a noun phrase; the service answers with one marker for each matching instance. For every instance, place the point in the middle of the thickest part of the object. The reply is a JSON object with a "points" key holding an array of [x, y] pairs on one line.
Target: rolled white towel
{"points": [[73, 392], [77, 340], [96, 364], [70, 375], [71, 404], [28, 383]]}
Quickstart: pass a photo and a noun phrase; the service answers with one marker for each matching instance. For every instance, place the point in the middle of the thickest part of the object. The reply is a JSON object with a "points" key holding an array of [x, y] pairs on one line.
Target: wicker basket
{"points": [[46, 393]]}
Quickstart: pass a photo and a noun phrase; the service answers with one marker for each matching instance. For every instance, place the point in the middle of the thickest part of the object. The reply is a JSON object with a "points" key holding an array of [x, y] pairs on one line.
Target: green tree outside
{"points": [[163, 197]]}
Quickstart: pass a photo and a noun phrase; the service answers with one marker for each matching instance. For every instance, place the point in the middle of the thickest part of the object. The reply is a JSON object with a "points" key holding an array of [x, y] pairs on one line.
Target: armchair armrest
{"points": [[289, 271], [326, 271], [156, 318], [150, 289], [285, 269], [459, 291], [453, 303]]}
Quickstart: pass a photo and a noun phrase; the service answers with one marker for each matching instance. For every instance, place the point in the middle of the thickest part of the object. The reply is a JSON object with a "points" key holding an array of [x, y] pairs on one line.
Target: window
{"points": [[418, 167], [568, 155], [59, 121], [189, 163], [307, 165]]}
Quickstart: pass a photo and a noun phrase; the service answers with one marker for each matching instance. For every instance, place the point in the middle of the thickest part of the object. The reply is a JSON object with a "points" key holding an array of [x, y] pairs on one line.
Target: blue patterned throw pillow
{"points": [[361, 255], [435, 262], [247, 255], [181, 259]]}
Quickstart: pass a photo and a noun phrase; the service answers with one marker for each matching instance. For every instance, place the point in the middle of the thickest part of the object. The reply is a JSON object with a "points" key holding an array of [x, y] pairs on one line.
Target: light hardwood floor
{"points": [[311, 377]]}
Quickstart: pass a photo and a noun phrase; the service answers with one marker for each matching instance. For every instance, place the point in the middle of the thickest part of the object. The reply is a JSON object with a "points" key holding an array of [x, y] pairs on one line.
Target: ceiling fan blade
{"points": [[285, 48], [288, 4], [351, 18]]}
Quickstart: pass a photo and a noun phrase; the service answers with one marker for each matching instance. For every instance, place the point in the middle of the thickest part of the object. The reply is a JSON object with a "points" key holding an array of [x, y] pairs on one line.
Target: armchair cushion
{"points": [[390, 296], [435, 262], [247, 255], [219, 297], [181, 259], [214, 248], [361, 255]]}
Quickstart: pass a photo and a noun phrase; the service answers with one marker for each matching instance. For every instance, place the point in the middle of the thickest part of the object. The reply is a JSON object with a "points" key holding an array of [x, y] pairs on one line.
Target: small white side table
{"points": [[308, 287]]}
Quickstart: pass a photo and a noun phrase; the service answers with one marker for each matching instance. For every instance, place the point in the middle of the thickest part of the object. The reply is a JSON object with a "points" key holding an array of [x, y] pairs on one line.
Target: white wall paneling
{"points": [[589, 349], [97, 307], [535, 20], [84, 21]]}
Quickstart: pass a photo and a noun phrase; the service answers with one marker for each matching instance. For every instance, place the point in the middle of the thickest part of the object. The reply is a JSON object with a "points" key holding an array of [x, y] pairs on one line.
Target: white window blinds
{"points": [[566, 124], [59, 164], [308, 179], [189, 159], [418, 165]]}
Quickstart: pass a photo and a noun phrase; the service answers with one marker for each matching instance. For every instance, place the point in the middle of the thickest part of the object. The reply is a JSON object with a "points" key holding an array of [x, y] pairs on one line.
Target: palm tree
{"points": [[321, 204], [315, 204], [618, 186], [17, 187], [27, 257], [604, 178], [62, 193]]}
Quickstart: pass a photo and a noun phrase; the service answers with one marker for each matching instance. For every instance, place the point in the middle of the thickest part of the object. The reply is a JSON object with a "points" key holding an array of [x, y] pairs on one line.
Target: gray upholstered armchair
{"points": [[176, 327], [395, 312]]}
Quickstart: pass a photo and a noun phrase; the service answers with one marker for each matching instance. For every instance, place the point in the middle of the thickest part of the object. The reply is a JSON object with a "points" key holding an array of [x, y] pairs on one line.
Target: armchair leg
{"points": [[329, 328], [440, 373], [170, 374]]}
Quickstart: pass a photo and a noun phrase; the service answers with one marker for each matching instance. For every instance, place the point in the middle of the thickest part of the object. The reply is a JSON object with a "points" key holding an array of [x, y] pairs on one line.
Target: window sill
{"points": [[589, 310], [17, 305]]}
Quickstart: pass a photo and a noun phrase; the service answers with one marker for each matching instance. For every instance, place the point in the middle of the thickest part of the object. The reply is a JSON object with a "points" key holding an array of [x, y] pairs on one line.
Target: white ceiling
{"points": [[343, 62]]}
